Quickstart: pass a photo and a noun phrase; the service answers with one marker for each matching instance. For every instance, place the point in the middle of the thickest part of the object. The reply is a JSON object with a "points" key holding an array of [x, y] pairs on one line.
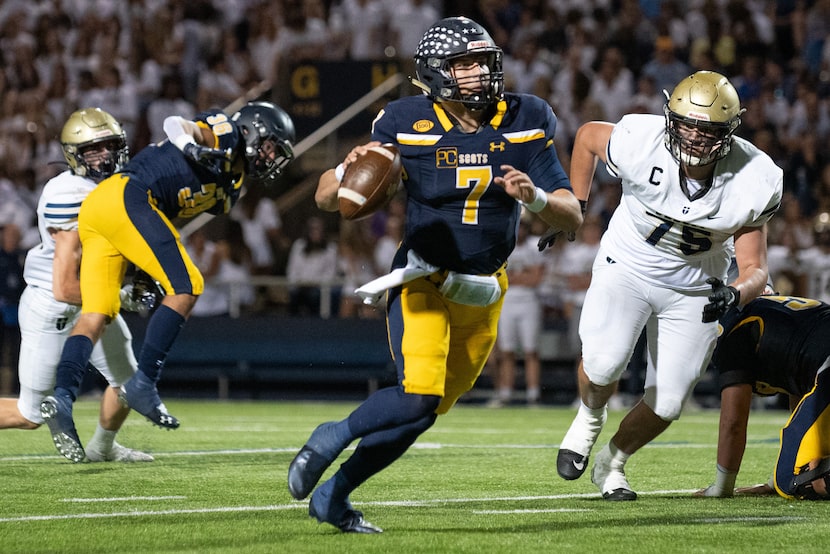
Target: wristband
{"points": [[183, 140], [539, 202], [339, 171]]}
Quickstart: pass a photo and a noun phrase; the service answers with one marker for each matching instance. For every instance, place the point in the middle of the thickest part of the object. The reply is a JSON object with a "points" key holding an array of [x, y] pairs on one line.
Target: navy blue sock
{"points": [[341, 489], [378, 450], [72, 365], [162, 331]]}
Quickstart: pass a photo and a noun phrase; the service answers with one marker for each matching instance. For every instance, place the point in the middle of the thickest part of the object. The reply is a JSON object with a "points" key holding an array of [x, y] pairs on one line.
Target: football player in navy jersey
{"points": [[471, 155], [776, 344], [201, 167]]}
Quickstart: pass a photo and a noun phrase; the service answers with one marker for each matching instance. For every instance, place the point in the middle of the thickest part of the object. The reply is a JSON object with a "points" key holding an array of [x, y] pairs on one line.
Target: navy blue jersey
{"points": [[456, 218], [180, 187], [775, 343]]}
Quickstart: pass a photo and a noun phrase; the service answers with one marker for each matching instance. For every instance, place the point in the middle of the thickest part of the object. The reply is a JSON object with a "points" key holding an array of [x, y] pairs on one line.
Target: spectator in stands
{"points": [[575, 265], [388, 243], [208, 259], [11, 287], [356, 266], [312, 271], [520, 324], [613, 84], [301, 37], [363, 26], [665, 68], [171, 102], [647, 99], [528, 73], [411, 19]]}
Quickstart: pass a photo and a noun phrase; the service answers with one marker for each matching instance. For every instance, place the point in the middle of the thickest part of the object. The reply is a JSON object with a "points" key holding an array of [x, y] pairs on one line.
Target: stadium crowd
{"points": [[142, 60]]}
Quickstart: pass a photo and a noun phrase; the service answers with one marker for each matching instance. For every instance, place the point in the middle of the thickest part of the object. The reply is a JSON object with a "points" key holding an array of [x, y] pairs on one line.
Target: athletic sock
{"points": [[329, 439], [617, 456], [102, 440], [72, 366], [162, 331]]}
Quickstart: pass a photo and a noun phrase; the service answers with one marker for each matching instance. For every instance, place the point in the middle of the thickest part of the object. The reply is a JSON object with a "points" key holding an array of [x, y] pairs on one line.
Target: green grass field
{"points": [[479, 481]]}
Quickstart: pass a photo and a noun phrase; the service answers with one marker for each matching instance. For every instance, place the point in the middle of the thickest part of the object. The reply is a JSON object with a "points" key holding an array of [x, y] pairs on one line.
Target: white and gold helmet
{"points": [[87, 130], [702, 113]]}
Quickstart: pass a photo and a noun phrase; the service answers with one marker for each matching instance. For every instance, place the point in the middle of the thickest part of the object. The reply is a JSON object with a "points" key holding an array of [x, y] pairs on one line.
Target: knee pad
{"points": [[668, 410], [602, 369]]}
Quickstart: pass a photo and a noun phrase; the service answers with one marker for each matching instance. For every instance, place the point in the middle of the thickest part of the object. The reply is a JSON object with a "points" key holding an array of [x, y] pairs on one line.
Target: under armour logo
{"points": [[497, 146], [685, 209]]}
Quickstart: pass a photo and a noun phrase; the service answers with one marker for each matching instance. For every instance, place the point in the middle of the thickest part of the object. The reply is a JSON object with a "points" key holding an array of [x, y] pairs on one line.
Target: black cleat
{"points": [[342, 516], [618, 495], [570, 465], [305, 471], [57, 411], [141, 395]]}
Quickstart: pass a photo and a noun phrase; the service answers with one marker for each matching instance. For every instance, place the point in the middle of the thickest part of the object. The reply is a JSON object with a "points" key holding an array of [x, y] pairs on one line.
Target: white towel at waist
{"points": [[415, 267]]}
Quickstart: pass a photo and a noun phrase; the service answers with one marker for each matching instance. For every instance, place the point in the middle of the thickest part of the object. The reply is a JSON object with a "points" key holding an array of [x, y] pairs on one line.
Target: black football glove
{"points": [[146, 294], [211, 158], [723, 298], [549, 238]]}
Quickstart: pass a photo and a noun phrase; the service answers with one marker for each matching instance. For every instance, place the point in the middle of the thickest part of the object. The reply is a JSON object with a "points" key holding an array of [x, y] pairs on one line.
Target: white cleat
{"points": [[611, 481], [118, 453]]}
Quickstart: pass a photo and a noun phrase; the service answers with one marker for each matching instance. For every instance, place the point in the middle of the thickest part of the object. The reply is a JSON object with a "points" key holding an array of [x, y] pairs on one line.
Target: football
{"points": [[369, 182]]}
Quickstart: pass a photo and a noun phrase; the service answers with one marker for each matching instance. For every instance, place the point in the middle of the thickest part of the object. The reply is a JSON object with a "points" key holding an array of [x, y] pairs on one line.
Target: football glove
{"points": [[723, 298], [549, 238], [211, 158], [146, 293]]}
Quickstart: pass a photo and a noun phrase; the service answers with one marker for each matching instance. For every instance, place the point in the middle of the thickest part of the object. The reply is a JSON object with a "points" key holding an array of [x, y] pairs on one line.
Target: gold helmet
{"points": [[702, 113], [88, 128]]}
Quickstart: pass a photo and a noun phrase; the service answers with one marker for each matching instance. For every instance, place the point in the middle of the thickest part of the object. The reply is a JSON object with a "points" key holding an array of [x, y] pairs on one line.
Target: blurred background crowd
{"points": [[142, 60]]}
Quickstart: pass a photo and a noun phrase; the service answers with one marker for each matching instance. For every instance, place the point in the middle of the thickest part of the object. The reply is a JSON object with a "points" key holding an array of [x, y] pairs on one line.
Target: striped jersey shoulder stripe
{"points": [[412, 139], [519, 137]]}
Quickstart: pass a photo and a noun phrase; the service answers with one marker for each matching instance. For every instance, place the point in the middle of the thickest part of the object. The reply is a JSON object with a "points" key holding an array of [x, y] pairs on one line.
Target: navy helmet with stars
{"points": [[447, 40]]}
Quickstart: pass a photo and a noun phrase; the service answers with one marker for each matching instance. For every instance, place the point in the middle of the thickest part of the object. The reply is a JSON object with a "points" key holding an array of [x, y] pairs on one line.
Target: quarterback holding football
{"points": [[472, 155]]}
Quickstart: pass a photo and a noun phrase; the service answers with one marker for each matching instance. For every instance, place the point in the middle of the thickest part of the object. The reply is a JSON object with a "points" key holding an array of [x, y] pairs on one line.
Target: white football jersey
{"points": [[657, 230], [58, 209]]}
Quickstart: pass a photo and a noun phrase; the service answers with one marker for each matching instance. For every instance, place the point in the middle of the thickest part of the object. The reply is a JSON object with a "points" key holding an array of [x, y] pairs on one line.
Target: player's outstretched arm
{"points": [[734, 415], [326, 194]]}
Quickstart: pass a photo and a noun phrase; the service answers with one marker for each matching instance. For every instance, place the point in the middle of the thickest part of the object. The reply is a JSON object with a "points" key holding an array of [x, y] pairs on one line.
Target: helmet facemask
{"points": [[259, 145], [268, 133], [693, 142], [491, 78], [702, 114], [94, 144]]}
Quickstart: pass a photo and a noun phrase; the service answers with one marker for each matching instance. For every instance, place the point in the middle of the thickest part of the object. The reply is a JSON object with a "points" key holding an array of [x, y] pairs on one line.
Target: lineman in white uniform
{"points": [[690, 191], [95, 147]]}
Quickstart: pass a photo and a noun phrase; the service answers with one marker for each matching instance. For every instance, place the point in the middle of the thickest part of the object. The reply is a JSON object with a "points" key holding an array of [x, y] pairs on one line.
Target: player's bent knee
{"points": [[667, 409], [602, 370], [418, 406]]}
